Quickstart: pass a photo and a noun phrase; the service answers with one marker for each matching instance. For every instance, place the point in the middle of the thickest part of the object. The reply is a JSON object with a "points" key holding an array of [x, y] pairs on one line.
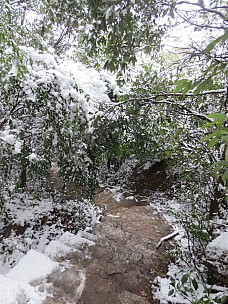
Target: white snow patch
{"points": [[82, 284], [7, 137], [18, 145], [33, 157], [32, 266], [162, 293], [219, 243], [116, 193], [147, 165], [112, 215], [56, 248], [73, 240], [14, 292]]}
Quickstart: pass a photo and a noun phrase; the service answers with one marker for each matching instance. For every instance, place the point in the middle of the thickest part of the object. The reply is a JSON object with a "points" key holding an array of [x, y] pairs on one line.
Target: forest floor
{"points": [[113, 262], [120, 267], [57, 248]]}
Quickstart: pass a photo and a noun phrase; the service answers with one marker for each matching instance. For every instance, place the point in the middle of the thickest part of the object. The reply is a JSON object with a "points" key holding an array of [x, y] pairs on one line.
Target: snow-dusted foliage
{"points": [[48, 105]]}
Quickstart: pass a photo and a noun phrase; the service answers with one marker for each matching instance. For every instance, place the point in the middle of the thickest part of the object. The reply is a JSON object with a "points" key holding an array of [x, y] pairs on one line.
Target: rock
{"points": [[217, 258], [71, 281], [130, 298], [50, 300]]}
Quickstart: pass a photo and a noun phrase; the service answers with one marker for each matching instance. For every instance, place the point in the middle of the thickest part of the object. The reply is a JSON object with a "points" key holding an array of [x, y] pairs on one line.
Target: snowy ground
{"points": [[184, 283], [34, 231]]}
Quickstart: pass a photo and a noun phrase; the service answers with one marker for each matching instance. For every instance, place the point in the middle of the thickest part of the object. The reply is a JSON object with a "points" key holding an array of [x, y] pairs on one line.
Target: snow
{"points": [[33, 156], [70, 239], [214, 250], [162, 294], [56, 248], [34, 265], [147, 165], [219, 243], [18, 145], [91, 86], [29, 256], [16, 292], [83, 88], [117, 194], [7, 137]]}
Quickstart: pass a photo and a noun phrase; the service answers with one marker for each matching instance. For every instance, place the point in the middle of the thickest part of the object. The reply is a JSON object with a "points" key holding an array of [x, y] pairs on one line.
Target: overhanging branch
{"points": [[182, 107], [207, 9], [168, 100]]}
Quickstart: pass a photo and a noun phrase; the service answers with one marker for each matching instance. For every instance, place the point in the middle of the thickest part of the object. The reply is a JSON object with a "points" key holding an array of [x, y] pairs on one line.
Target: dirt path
{"points": [[121, 265]]}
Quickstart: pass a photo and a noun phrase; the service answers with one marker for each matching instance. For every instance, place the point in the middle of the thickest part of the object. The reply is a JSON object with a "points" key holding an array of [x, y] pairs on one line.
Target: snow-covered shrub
{"points": [[48, 105]]}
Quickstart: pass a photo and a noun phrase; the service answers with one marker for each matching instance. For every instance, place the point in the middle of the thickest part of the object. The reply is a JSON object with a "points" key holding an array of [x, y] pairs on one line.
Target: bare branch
{"points": [[210, 10], [207, 9], [161, 94], [167, 237], [182, 109], [180, 106], [222, 7], [221, 27], [169, 102]]}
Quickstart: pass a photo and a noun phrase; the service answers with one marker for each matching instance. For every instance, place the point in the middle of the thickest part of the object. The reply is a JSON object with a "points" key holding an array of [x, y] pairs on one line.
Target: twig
{"points": [[166, 238]]}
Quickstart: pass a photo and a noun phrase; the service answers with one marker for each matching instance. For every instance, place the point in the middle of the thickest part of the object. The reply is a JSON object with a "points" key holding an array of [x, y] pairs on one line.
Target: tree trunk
{"points": [[23, 178], [217, 199]]}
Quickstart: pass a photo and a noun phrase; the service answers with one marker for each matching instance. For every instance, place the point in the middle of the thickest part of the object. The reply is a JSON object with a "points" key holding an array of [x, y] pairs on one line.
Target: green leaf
{"points": [[211, 45], [203, 85], [224, 138], [226, 154], [184, 278], [195, 284], [207, 125], [165, 12], [217, 116], [183, 85], [225, 175], [212, 142], [199, 88], [171, 292], [224, 299], [187, 88], [172, 13], [181, 81], [217, 133], [212, 66]]}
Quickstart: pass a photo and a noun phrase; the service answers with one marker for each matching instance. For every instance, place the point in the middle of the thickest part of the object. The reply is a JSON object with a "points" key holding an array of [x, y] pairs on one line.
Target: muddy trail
{"points": [[118, 260]]}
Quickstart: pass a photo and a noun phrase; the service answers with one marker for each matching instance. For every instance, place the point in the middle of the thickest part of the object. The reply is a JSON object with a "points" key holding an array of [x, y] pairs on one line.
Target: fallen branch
{"points": [[166, 238]]}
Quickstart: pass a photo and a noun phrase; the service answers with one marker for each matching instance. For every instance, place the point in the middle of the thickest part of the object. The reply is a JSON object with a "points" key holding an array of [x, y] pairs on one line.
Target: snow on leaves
{"points": [[48, 112]]}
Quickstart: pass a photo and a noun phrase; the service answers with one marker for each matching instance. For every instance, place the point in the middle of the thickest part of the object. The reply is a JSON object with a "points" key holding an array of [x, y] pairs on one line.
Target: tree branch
{"points": [[207, 9], [161, 94], [200, 25], [152, 99], [180, 106]]}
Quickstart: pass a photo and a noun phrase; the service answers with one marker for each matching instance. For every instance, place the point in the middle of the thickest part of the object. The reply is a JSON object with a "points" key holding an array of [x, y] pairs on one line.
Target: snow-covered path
{"points": [[119, 268], [114, 263]]}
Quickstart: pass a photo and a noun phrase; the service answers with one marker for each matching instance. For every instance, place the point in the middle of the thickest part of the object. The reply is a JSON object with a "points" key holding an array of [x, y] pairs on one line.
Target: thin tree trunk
{"points": [[23, 178]]}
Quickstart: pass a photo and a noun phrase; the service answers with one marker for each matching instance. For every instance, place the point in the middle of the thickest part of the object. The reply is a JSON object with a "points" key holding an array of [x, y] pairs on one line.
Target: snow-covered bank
{"points": [[34, 235], [186, 281]]}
